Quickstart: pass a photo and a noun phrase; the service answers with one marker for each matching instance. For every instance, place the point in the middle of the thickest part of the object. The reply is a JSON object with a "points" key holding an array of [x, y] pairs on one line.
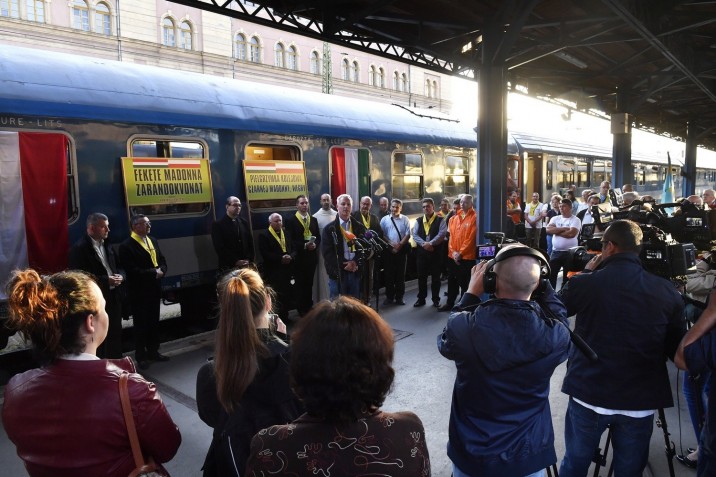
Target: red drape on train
{"points": [[338, 168], [43, 163]]}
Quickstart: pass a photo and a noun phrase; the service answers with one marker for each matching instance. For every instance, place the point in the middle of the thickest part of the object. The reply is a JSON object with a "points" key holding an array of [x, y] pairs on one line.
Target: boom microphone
{"points": [[369, 234]]}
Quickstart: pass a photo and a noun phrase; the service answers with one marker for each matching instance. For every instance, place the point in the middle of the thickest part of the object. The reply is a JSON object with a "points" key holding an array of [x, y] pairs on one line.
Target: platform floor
{"points": [[423, 384]]}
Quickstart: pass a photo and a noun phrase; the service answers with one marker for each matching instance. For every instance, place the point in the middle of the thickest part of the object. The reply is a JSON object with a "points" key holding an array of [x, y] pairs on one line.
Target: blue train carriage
{"points": [[91, 128]]}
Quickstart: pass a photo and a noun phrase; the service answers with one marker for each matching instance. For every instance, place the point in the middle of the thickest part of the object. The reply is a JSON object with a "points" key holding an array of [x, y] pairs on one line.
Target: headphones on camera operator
{"points": [[489, 280]]}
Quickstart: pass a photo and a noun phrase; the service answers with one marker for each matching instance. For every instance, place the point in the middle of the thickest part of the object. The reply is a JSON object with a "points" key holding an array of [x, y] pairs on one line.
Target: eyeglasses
{"points": [[426, 206], [148, 224]]}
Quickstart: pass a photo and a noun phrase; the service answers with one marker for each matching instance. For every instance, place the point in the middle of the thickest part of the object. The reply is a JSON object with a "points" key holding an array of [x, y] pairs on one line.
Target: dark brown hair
{"points": [[341, 360], [242, 299], [50, 310]]}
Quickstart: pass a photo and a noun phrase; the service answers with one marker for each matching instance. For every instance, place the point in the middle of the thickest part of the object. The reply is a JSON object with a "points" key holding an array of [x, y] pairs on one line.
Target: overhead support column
{"points": [[688, 185], [492, 140], [622, 170]]}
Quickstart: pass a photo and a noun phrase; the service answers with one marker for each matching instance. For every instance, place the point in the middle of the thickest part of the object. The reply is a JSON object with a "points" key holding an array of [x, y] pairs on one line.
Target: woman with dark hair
{"points": [[341, 368], [66, 418], [246, 386]]}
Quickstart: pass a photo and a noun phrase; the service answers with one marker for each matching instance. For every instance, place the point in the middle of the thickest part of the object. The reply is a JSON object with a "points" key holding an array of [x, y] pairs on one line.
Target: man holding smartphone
{"points": [[305, 237]]}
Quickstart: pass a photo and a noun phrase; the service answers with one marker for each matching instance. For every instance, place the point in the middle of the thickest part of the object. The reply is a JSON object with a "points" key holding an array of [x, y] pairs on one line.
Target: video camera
{"points": [[489, 250]]}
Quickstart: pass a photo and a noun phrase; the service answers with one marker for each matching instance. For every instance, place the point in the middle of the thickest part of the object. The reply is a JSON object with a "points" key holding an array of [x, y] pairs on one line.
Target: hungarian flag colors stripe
{"points": [[33, 202], [350, 173]]}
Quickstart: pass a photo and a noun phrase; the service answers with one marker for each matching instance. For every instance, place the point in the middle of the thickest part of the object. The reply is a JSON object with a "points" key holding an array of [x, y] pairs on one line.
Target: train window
{"points": [[457, 169], [407, 176], [581, 167], [141, 147], [273, 152], [601, 171], [565, 172]]}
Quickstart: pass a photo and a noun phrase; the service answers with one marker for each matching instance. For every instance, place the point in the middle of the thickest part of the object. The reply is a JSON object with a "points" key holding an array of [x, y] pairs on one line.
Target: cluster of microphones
{"points": [[368, 242]]}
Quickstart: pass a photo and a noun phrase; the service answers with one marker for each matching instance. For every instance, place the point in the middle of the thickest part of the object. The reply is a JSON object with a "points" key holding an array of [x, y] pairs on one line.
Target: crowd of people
{"points": [[310, 403]]}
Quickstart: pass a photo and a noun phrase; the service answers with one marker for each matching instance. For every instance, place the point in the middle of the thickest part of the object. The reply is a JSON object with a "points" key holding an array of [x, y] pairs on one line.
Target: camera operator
{"points": [[505, 351], [633, 320]]}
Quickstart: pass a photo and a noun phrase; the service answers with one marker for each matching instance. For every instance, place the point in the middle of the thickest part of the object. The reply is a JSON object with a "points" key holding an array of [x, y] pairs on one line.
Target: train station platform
{"points": [[423, 384]]}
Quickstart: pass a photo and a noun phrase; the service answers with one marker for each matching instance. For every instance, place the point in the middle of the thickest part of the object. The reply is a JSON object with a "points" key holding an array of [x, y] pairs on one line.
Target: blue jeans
{"points": [[557, 260], [583, 429], [458, 473], [691, 396], [350, 285]]}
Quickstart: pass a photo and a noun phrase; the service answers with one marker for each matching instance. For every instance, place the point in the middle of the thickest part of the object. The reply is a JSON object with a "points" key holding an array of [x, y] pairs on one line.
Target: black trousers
{"points": [[458, 278], [111, 348], [145, 311], [429, 264], [303, 272], [395, 274]]}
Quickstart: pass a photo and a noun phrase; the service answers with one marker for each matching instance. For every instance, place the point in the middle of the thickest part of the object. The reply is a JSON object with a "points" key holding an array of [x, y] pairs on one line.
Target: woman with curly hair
{"points": [[341, 368], [245, 387], [66, 418]]}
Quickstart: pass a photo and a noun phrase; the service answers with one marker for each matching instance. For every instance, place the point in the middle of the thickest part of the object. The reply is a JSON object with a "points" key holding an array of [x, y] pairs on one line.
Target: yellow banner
{"points": [[157, 180], [269, 180]]}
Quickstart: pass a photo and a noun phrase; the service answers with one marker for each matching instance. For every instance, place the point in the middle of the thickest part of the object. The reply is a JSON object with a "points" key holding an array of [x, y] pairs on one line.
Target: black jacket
{"points": [[267, 401], [275, 272], [141, 274], [229, 246], [83, 257], [333, 242], [633, 320], [294, 229]]}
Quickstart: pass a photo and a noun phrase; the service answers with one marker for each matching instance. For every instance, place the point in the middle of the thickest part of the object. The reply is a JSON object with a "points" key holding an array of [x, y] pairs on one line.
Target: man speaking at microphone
{"points": [[341, 250], [505, 351]]}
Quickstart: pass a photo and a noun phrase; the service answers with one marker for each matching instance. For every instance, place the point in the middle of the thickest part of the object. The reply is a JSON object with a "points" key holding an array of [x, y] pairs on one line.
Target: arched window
{"points": [[185, 35], [355, 72], [435, 89], [102, 19], [80, 15], [278, 55], [168, 32], [396, 81], [240, 47], [9, 8], [381, 78], [315, 63], [371, 76], [255, 50], [428, 89], [345, 70], [404, 83], [292, 58], [35, 10]]}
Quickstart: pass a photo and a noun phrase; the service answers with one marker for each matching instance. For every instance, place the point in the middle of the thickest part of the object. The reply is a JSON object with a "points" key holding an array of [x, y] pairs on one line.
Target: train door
{"points": [[350, 173], [533, 175]]}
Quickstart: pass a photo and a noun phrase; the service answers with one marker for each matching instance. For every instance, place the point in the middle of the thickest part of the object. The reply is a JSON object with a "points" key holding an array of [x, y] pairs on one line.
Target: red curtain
{"points": [[338, 179], [43, 163]]}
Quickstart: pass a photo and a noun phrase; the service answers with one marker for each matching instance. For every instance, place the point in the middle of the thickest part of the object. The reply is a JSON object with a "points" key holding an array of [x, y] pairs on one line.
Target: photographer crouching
{"points": [[633, 320], [505, 351]]}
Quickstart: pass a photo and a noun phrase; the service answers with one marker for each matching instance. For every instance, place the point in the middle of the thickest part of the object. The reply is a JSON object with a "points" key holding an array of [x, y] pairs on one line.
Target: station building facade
{"points": [[169, 35]]}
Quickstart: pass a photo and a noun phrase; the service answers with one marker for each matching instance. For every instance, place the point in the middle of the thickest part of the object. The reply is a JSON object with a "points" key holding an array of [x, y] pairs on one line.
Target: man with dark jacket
{"points": [[632, 338], [370, 222], [340, 252], [278, 263], [232, 238], [505, 351], [93, 254], [305, 238], [429, 236], [145, 265]]}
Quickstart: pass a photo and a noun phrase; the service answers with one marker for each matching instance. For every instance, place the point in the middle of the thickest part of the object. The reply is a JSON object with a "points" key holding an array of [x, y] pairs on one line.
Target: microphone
{"points": [[369, 234]]}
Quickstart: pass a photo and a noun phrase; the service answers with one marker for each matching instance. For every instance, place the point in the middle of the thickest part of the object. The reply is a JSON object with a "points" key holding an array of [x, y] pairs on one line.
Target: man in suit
{"points": [[370, 222], [340, 254], [278, 260], [305, 239], [93, 254], [232, 238], [429, 235], [145, 266]]}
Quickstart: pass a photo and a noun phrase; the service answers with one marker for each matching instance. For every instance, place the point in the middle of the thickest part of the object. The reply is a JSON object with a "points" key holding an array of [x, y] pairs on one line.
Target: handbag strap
{"points": [[400, 237], [129, 421]]}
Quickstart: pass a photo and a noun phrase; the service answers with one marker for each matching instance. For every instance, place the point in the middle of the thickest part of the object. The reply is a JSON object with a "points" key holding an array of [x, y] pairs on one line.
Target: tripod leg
{"points": [[600, 460], [669, 447]]}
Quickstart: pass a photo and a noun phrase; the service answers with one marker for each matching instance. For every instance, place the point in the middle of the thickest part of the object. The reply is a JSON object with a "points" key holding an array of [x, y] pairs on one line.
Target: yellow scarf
{"points": [[306, 226], [147, 246], [365, 222], [427, 223], [281, 241], [533, 207], [343, 232]]}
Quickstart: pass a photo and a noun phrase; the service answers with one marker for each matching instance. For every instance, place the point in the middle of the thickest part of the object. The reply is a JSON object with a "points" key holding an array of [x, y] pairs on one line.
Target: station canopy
{"points": [[660, 55]]}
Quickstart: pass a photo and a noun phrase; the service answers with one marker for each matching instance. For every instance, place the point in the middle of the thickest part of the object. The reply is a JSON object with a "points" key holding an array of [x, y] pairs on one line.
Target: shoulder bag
{"points": [[142, 469]]}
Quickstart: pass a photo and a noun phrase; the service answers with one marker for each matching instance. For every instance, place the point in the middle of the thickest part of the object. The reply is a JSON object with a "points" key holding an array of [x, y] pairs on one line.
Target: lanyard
{"points": [[427, 223], [147, 246], [306, 225], [281, 241]]}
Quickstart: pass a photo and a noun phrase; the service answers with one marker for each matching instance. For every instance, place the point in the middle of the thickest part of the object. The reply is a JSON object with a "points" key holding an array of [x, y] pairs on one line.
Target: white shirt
{"points": [[324, 217], [537, 213], [389, 231], [562, 244]]}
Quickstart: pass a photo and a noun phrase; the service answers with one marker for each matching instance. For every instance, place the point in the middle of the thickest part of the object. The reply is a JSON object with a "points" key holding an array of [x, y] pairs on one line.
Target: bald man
{"points": [[500, 401]]}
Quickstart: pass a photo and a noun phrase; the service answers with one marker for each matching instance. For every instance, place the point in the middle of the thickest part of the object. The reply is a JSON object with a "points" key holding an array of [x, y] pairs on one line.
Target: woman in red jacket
{"points": [[66, 417]]}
